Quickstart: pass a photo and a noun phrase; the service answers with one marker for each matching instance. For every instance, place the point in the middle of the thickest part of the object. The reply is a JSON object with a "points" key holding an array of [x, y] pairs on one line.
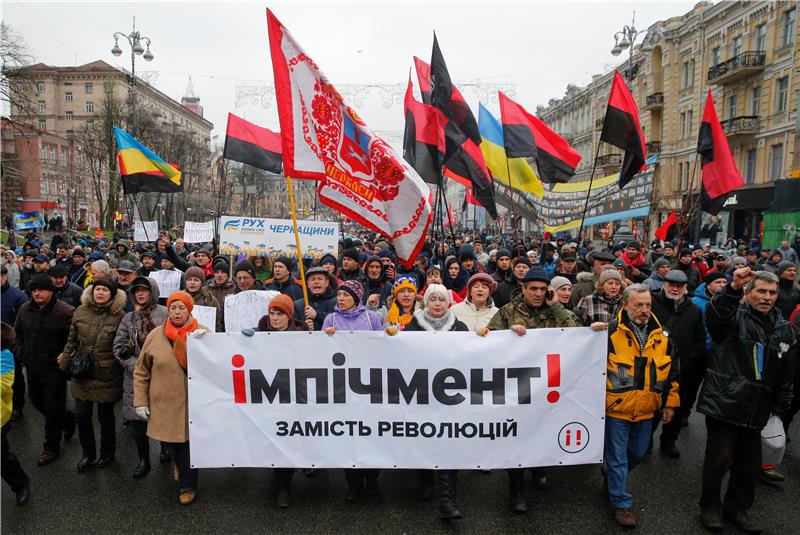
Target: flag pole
{"points": [[687, 213], [513, 204], [589, 191], [144, 227], [297, 242], [449, 219]]}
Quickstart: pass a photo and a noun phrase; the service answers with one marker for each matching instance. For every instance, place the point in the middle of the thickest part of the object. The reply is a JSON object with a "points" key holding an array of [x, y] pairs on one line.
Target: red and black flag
{"points": [[526, 136], [253, 145], [720, 175], [148, 182], [423, 139], [621, 128], [424, 79], [467, 166], [663, 231]]}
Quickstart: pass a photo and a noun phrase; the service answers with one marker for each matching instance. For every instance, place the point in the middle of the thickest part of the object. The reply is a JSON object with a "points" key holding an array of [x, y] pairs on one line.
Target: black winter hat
{"points": [[244, 265], [108, 283], [536, 274], [41, 281], [57, 271], [501, 253], [286, 261], [351, 253], [714, 275]]}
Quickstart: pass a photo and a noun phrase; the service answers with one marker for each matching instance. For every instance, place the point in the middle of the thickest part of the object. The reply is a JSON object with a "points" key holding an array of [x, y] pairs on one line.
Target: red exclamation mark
{"points": [[568, 437], [553, 376], [577, 437], [239, 391]]}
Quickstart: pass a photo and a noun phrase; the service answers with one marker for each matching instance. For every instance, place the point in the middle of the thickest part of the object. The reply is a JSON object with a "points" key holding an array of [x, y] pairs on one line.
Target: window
{"points": [[755, 100], [40, 87], [691, 73], [685, 78], [68, 96], [689, 115], [761, 37], [68, 115], [737, 45], [750, 167], [43, 152], [733, 100], [788, 22], [88, 87], [680, 177], [42, 124], [89, 107], [40, 106], [682, 124], [781, 92], [90, 126], [53, 154], [107, 87], [715, 56], [20, 87], [45, 187], [776, 162]]}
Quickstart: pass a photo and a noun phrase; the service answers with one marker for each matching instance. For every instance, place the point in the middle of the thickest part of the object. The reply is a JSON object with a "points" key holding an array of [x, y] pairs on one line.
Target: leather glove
{"points": [[248, 332], [143, 413]]}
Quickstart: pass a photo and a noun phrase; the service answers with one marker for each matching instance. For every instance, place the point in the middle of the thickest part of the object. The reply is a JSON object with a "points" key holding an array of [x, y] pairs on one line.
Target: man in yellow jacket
{"points": [[641, 379]]}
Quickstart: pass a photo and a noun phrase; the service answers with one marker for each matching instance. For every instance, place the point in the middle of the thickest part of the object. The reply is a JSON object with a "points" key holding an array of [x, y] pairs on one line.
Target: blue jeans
{"points": [[625, 446]]}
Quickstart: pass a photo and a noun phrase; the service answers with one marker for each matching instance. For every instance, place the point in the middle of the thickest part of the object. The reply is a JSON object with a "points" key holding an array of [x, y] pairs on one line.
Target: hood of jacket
{"points": [[117, 303]]}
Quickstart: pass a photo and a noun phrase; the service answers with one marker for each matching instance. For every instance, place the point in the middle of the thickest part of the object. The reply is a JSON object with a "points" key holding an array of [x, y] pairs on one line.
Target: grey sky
{"points": [[539, 46]]}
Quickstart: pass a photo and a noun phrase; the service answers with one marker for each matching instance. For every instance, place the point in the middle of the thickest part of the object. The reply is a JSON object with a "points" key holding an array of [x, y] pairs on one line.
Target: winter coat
{"points": [[205, 298], [734, 390], [323, 305], [159, 383], [473, 318], [41, 336], [380, 287], [131, 332], [506, 290], [518, 312], [655, 282], [292, 287], [14, 271], [639, 381], [11, 300], [70, 293], [104, 384], [584, 285], [419, 323], [220, 292], [356, 274], [693, 274], [355, 319], [701, 299], [788, 297], [182, 265], [684, 323]]}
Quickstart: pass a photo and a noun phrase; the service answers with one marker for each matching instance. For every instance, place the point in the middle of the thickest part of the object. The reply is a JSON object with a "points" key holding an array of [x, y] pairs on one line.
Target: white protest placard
{"points": [[145, 230], [196, 232], [432, 400], [206, 316], [169, 281], [243, 310], [275, 237]]}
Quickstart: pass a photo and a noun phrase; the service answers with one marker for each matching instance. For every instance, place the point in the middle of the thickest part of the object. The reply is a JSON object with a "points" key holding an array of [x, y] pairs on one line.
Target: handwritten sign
{"points": [[206, 316], [243, 310], [196, 232], [168, 281], [145, 230], [258, 236]]}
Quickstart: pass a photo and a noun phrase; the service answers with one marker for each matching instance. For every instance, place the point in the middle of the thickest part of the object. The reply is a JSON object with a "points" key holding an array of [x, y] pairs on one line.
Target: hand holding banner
{"points": [[168, 282]]}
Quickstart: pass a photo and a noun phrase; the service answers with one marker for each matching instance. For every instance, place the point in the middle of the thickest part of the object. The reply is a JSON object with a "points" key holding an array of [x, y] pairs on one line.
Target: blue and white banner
{"points": [[258, 236], [446, 400], [27, 220]]}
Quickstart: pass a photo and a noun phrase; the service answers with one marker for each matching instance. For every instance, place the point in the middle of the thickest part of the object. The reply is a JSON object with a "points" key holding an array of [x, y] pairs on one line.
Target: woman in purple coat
{"points": [[349, 314]]}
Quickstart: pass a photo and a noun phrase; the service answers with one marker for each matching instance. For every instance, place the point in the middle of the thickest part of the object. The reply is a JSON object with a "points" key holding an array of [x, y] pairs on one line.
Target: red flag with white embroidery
{"points": [[324, 139]]}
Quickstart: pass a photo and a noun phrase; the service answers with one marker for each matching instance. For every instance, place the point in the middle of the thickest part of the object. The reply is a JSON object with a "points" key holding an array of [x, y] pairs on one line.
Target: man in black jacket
{"points": [[684, 321], [66, 291], [788, 291], [41, 331], [749, 377], [321, 297]]}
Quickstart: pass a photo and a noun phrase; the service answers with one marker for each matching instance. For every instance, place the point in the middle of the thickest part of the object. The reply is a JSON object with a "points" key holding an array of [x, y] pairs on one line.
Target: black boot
{"points": [[355, 484], [164, 456], [516, 488], [426, 485], [143, 449], [283, 476], [448, 510]]}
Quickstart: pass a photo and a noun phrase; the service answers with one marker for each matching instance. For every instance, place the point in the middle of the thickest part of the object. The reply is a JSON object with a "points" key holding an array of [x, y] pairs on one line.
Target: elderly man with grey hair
{"points": [[749, 377]]}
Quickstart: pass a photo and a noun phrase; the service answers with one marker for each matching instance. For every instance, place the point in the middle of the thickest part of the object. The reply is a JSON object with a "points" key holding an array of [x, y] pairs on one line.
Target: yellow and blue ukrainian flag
{"points": [[523, 176], [142, 169]]}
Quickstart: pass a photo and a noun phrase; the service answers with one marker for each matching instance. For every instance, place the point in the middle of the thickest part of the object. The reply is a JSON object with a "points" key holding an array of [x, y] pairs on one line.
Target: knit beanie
{"points": [[714, 275], [503, 252], [739, 260], [108, 283], [195, 272], [221, 265], [351, 253], [608, 273], [285, 260], [436, 289], [404, 281], [354, 288], [244, 265], [661, 262], [283, 303], [783, 266], [183, 297], [40, 281], [327, 259], [558, 282]]}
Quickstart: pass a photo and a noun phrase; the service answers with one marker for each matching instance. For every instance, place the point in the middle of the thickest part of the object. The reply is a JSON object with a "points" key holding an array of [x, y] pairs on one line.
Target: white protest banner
{"points": [[275, 237], [243, 310], [145, 230], [206, 316], [195, 232], [169, 281], [445, 400]]}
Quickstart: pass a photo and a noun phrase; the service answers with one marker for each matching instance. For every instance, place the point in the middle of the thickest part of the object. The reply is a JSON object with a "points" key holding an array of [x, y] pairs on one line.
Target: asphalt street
{"points": [[241, 500]]}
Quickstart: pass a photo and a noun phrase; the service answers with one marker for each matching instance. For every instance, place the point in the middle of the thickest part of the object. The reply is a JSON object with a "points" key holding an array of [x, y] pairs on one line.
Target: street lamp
{"points": [[135, 40], [625, 40]]}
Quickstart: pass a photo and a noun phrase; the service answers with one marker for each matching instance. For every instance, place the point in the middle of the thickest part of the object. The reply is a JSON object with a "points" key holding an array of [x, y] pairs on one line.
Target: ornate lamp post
{"points": [[625, 39], [135, 39]]}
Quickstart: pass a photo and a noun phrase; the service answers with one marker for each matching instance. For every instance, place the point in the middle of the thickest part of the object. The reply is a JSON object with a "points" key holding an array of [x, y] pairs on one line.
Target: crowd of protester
{"points": [[715, 329]]}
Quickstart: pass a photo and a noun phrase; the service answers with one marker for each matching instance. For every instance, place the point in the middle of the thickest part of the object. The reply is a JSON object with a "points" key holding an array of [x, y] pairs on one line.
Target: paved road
{"points": [[240, 500]]}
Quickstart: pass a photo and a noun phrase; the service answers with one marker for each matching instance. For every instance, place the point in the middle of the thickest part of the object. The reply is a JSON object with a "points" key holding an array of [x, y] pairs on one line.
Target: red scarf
{"points": [[177, 335]]}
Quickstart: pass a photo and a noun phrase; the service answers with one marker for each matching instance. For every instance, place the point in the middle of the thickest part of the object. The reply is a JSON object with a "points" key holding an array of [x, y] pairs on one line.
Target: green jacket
{"points": [[518, 312]]}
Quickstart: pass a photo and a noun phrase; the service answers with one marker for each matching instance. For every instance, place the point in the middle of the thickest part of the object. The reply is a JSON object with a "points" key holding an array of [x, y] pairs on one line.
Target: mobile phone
{"points": [[549, 294]]}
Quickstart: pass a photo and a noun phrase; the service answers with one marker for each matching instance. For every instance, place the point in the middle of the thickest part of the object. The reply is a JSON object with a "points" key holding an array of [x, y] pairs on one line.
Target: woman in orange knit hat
{"points": [[160, 392]]}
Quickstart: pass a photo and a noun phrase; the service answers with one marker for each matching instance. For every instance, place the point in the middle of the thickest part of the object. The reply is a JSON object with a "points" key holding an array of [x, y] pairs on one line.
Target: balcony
{"points": [[609, 163], [745, 64], [654, 101], [653, 147], [744, 125]]}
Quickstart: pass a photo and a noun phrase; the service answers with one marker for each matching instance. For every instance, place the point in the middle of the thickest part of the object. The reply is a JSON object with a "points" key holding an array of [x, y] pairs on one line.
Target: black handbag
{"points": [[83, 361]]}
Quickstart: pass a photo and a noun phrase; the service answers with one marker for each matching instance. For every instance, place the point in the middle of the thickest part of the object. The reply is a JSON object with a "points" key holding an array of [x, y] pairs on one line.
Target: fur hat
{"points": [[436, 289], [40, 281]]}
